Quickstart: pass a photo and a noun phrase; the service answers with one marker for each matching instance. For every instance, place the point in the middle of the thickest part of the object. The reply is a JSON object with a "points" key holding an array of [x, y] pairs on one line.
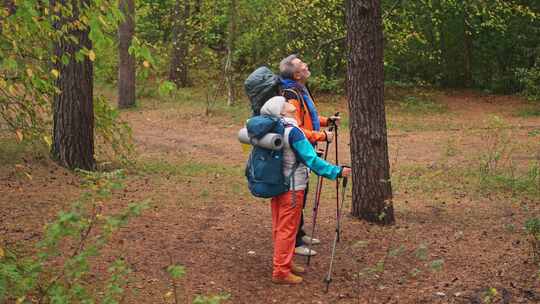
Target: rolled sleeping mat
{"points": [[271, 141]]}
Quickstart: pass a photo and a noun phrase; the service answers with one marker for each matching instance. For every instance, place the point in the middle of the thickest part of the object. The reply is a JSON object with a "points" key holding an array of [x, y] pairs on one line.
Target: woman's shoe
{"points": [[297, 269], [291, 279]]}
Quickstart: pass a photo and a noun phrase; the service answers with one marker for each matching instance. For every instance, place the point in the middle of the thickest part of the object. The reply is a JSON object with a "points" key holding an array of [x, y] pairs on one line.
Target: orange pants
{"points": [[285, 221]]}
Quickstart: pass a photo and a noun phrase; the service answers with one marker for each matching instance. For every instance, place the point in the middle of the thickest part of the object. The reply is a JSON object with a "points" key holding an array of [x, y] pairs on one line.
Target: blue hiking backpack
{"points": [[264, 169]]}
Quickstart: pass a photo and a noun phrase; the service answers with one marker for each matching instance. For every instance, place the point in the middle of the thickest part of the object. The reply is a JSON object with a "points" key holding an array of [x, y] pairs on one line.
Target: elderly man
{"points": [[294, 75]]}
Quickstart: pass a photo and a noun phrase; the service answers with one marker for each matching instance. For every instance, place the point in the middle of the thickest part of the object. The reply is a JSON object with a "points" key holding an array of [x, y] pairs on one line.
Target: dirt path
{"points": [[447, 247]]}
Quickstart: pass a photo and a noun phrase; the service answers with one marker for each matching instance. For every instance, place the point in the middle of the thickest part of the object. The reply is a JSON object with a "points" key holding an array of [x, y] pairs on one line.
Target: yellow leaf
{"points": [[55, 73], [47, 139], [29, 72], [3, 83], [28, 175], [168, 294], [91, 55], [146, 64], [19, 135], [11, 90], [20, 300], [102, 20]]}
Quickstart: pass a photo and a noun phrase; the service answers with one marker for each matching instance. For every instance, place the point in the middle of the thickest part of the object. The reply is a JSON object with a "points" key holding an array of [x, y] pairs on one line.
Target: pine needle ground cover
{"points": [[465, 179]]}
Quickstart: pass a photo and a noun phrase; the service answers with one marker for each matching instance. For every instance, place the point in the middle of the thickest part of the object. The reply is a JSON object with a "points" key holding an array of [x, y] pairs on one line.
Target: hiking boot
{"points": [[304, 250], [308, 240], [297, 269], [291, 279]]}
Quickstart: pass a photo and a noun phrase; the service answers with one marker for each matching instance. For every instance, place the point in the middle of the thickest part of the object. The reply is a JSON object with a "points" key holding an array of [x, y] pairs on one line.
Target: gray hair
{"points": [[286, 67]]}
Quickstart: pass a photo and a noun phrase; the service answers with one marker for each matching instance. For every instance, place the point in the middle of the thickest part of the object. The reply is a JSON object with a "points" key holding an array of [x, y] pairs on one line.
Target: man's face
{"points": [[302, 72]]}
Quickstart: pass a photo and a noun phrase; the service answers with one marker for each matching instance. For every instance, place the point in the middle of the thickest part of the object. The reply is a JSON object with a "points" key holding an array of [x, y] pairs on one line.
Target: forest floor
{"points": [[461, 167]]}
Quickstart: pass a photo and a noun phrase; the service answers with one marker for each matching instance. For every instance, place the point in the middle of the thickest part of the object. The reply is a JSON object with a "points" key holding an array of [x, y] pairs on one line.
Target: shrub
{"points": [[59, 271], [530, 81]]}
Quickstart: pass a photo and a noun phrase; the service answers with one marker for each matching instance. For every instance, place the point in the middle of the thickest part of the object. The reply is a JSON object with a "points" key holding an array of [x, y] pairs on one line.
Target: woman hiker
{"points": [[286, 210]]}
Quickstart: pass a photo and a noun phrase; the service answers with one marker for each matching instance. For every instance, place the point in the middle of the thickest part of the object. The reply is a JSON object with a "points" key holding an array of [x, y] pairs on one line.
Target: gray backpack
{"points": [[260, 86]]}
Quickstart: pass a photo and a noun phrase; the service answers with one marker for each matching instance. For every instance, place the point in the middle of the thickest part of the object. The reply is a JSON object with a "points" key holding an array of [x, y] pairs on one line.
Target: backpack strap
{"points": [[299, 97]]}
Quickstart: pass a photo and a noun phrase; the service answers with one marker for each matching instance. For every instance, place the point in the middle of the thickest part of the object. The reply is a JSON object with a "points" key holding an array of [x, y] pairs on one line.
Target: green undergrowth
{"points": [[188, 168], [421, 105], [529, 111], [13, 152], [498, 167], [426, 181]]}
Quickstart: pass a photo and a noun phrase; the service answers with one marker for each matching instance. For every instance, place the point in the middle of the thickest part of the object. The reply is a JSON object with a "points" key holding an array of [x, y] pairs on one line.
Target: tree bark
{"points": [[229, 65], [73, 111], [126, 68], [178, 72], [372, 190]]}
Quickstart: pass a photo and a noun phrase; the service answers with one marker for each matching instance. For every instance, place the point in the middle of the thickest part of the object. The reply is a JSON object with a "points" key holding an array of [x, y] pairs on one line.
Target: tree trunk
{"points": [[371, 191], [229, 67], [73, 117], [178, 72], [126, 68]]}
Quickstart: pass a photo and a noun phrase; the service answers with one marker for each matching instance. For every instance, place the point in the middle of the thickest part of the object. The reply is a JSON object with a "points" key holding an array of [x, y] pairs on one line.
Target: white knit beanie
{"points": [[273, 106]]}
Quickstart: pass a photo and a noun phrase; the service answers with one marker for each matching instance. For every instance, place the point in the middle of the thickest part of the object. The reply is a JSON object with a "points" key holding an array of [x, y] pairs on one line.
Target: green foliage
{"points": [[485, 44], [56, 275], [29, 68], [529, 79], [114, 136], [532, 228], [529, 111], [211, 299], [490, 295], [436, 265], [421, 252], [166, 88], [421, 105], [185, 168], [324, 84], [176, 271]]}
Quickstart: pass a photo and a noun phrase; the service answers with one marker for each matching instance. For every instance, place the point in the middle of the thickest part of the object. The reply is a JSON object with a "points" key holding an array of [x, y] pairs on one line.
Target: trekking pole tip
{"points": [[327, 281]]}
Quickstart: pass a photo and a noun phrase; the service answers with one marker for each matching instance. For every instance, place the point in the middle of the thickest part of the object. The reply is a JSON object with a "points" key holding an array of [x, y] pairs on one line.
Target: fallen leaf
{"points": [[91, 55], [28, 175], [47, 140], [19, 135]]}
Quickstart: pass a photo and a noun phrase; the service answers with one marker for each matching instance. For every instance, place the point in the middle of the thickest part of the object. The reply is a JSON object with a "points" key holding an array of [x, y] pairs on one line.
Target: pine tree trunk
{"points": [[126, 68], [371, 191], [73, 113], [229, 67], [178, 72]]}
